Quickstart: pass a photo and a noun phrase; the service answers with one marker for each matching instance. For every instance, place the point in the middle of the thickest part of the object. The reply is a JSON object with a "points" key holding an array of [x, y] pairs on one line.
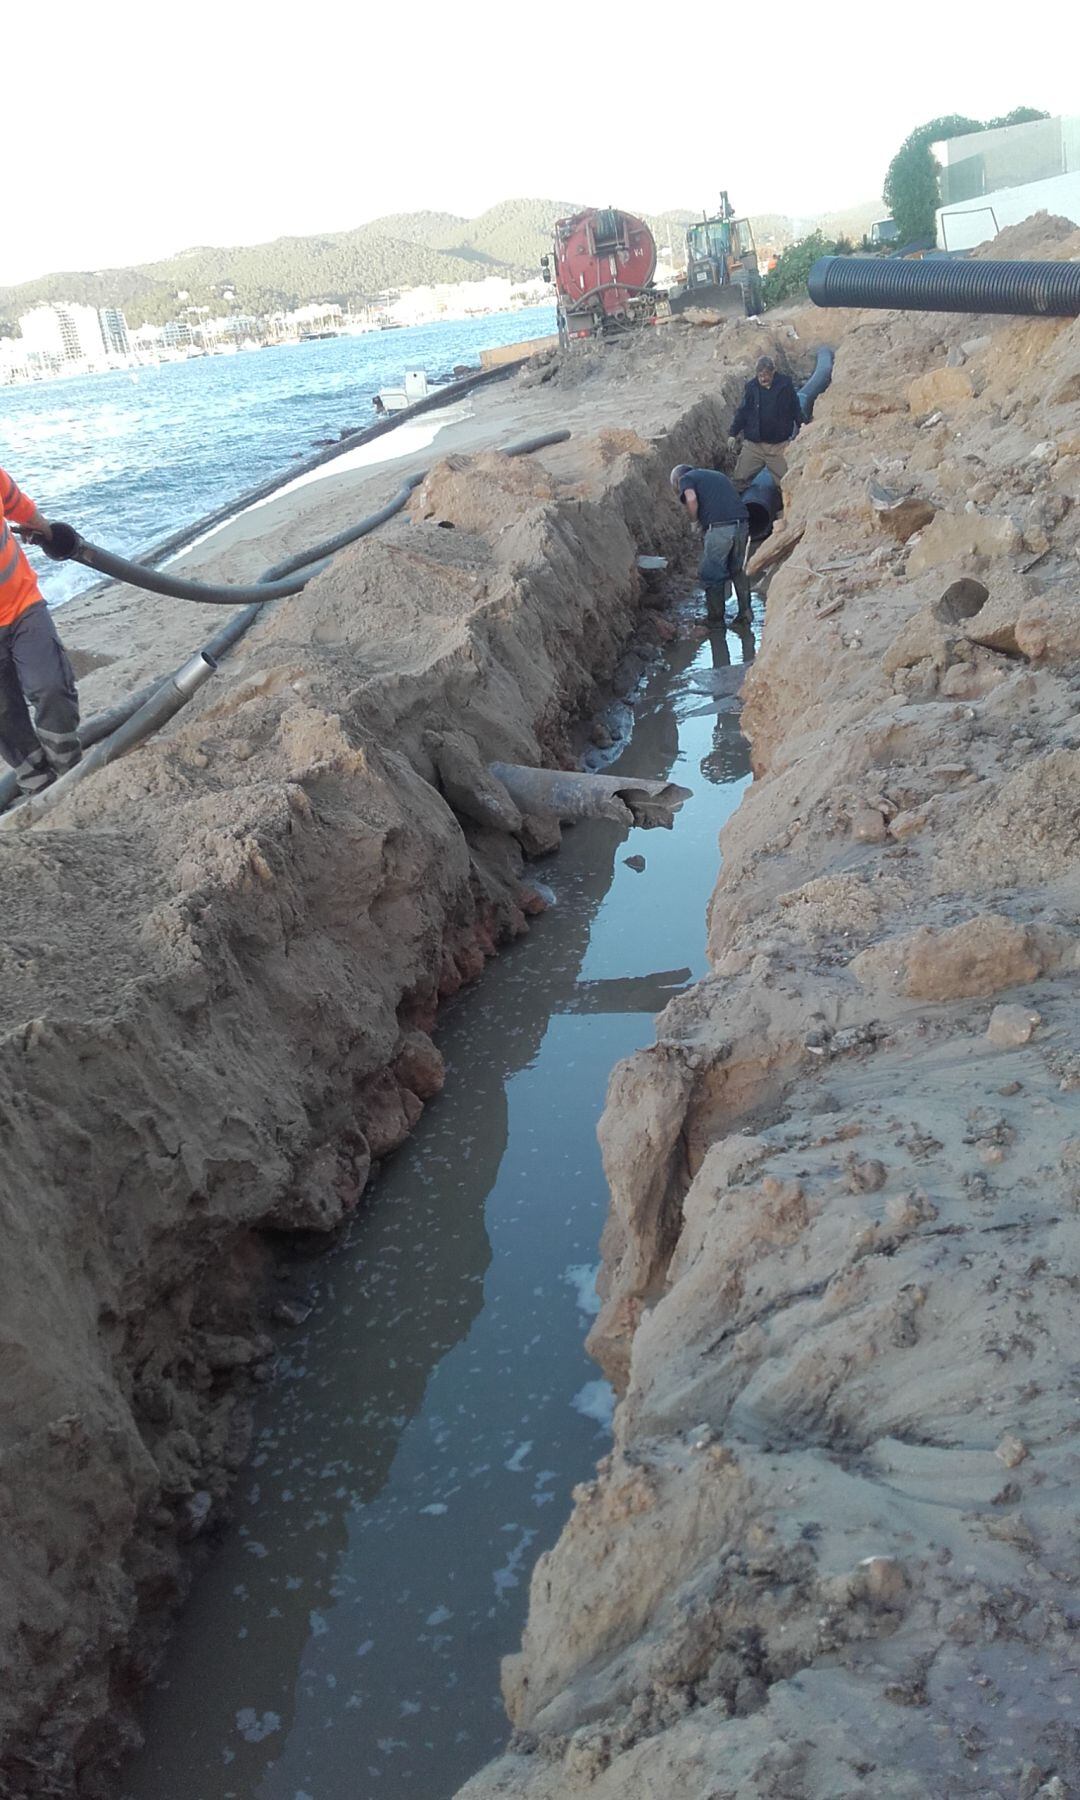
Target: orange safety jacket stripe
{"points": [[18, 583]]}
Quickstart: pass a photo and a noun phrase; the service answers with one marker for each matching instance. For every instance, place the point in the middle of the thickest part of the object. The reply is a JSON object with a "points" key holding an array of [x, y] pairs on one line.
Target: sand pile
{"points": [[834, 1549]]}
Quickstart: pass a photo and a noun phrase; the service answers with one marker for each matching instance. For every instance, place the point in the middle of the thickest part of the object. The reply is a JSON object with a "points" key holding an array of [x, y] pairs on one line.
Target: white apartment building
{"points": [[114, 331], [72, 333], [63, 333]]}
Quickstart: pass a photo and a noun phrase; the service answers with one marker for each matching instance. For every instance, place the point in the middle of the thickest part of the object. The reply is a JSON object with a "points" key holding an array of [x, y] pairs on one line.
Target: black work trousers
{"points": [[35, 673]]}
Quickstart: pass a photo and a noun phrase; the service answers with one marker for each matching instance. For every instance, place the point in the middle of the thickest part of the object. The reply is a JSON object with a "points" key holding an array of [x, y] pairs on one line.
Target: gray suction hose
{"points": [[271, 585], [204, 593], [818, 382], [528, 445], [331, 546], [166, 700], [941, 284], [284, 578]]}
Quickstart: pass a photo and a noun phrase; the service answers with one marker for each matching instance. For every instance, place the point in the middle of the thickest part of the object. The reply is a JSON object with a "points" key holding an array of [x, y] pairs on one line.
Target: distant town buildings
{"points": [[461, 299], [53, 338], [114, 331], [65, 338]]}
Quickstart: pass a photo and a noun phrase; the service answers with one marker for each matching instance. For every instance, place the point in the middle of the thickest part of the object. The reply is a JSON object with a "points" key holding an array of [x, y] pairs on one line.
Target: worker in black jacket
{"points": [[767, 418]]}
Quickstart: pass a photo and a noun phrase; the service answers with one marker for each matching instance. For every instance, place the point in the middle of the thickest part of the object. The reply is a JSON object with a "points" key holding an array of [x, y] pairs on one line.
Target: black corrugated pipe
{"points": [[817, 383], [763, 500], [1030, 289]]}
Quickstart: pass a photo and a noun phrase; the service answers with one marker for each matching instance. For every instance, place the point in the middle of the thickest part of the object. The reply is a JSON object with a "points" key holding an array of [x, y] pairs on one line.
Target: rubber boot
{"points": [[35, 774], [716, 604], [741, 581]]}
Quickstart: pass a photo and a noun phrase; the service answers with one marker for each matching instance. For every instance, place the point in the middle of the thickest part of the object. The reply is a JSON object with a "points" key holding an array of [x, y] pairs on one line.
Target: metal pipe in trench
{"points": [[943, 284], [575, 794], [166, 700]]}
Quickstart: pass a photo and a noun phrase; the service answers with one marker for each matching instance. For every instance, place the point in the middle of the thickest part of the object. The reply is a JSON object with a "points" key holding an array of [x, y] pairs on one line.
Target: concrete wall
{"points": [[973, 221], [983, 162]]}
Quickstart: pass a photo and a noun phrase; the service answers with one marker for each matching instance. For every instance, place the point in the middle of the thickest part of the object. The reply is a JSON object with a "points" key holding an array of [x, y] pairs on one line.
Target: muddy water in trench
{"points": [[418, 1450]]}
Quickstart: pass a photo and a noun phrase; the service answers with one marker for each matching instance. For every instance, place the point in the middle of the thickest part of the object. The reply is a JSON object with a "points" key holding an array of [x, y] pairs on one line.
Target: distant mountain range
{"points": [[351, 267]]}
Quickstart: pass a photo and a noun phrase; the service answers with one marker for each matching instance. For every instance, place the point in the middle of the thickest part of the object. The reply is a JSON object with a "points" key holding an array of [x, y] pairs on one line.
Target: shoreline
{"points": [[200, 530]]}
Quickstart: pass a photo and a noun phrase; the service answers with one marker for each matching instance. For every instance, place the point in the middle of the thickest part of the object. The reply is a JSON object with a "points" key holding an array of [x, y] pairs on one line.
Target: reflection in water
{"points": [[727, 760], [418, 1451], [628, 993]]}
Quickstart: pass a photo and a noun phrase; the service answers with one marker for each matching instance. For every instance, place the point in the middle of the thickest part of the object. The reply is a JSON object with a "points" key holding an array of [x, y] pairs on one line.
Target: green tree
{"points": [[911, 193], [793, 267]]}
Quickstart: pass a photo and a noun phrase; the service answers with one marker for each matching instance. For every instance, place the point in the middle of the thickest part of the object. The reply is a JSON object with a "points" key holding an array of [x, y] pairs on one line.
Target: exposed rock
{"points": [[868, 825], [468, 784], [1048, 629], [906, 824], [950, 536], [981, 956], [540, 834], [994, 622], [292, 1312], [905, 517], [1012, 1025], [639, 1138], [974, 676], [419, 1065], [945, 388], [1011, 1451]]}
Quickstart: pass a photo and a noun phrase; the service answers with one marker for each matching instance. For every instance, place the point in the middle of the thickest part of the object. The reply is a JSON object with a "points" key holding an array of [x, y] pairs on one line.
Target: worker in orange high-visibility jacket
{"points": [[34, 670]]}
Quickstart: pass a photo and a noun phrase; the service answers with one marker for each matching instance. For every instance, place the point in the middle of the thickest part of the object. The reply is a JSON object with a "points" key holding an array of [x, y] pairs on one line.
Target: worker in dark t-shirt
{"points": [[715, 504]]}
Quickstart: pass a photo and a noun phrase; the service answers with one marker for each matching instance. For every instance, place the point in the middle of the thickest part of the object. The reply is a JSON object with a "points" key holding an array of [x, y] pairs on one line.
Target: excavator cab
{"points": [[721, 265], [708, 246]]}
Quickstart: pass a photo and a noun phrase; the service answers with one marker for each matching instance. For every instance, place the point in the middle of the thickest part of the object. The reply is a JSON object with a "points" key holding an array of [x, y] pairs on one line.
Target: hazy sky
{"points": [[137, 130]]}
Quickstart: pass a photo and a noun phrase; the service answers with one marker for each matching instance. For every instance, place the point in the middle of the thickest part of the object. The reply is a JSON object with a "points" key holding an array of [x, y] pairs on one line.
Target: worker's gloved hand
{"points": [[63, 543]]}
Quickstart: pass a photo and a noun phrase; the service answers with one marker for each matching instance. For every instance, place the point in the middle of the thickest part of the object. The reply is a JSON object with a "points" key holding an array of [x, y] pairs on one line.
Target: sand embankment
{"points": [[223, 958], [834, 1550]]}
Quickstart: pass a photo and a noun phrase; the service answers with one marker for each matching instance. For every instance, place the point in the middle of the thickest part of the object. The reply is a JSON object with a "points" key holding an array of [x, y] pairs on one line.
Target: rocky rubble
{"points": [[834, 1549]]}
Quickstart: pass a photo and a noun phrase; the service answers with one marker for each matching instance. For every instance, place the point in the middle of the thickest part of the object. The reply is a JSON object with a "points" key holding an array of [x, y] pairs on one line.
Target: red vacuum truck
{"points": [[601, 266]]}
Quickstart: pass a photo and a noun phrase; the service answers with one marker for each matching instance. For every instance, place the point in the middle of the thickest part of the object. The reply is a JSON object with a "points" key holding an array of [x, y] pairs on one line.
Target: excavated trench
{"points": [[247, 930], [436, 1407]]}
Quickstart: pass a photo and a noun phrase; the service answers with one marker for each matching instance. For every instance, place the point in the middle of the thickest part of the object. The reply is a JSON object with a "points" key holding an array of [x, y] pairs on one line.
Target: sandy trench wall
{"points": [[222, 963], [834, 1549]]}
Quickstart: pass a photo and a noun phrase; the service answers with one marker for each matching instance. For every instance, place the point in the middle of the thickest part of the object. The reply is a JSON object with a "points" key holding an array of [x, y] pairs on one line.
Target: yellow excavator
{"points": [[721, 266]]}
